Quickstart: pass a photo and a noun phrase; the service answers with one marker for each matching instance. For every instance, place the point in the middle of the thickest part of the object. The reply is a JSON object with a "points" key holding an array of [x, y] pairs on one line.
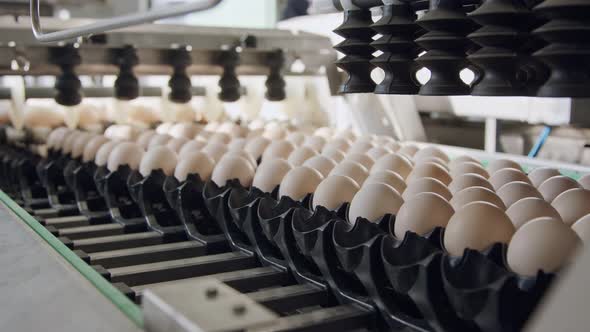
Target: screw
{"points": [[211, 293], [239, 309]]}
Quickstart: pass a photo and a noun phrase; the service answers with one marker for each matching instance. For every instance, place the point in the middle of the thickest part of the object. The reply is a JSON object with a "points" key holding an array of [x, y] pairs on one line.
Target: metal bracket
{"points": [[115, 22], [203, 305]]}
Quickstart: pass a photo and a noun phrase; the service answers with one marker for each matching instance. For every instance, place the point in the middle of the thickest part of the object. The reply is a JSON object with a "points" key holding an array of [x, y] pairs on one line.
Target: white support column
{"points": [[491, 132]]}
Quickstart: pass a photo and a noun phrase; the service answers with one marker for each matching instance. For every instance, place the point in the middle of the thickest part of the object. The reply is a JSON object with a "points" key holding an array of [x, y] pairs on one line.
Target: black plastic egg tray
{"points": [[313, 268]]}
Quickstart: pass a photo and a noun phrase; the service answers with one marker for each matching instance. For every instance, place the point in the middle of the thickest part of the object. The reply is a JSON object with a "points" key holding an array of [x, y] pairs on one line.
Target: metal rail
{"points": [[115, 22]]}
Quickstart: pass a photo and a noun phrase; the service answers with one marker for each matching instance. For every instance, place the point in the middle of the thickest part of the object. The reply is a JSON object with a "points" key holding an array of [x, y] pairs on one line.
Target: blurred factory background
{"points": [[548, 128]]}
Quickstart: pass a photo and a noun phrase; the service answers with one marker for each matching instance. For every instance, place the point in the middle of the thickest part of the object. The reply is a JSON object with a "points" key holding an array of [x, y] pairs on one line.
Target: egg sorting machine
{"points": [[288, 269]]}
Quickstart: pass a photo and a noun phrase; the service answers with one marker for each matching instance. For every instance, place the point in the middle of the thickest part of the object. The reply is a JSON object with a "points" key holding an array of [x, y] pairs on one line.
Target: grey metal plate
{"points": [[41, 292]]}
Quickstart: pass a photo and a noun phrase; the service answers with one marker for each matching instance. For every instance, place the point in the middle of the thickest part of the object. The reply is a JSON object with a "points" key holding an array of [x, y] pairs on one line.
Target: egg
{"points": [[572, 205], [352, 169], [296, 138], [256, 146], [125, 153], [383, 139], [503, 176], [430, 151], [324, 132], [121, 132], [512, 192], [421, 214], [377, 152], [462, 159], [363, 140], [333, 153], [183, 129], [68, 143], [274, 132], [360, 147], [435, 160], [195, 162], [530, 208], [103, 153], [430, 170], [300, 155], [468, 180], [373, 201], [144, 138], [254, 134], [540, 174], [321, 163], [242, 154], [388, 177], [469, 168], [426, 185], [544, 244], [212, 126], [176, 144], [215, 150], [334, 191], [231, 129], [500, 164], [159, 157], [582, 228], [190, 147], [204, 135], [237, 144], [233, 167], [91, 149], [585, 181], [56, 136], [80, 144], [270, 173], [315, 142], [337, 143], [159, 140], [299, 182], [408, 151], [394, 147], [362, 159], [475, 194], [393, 162], [278, 149], [164, 128], [477, 226], [552, 187], [221, 138], [347, 134]]}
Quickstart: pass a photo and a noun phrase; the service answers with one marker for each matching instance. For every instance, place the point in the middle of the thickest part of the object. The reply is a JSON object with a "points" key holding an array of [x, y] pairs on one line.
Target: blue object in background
{"points": [[540, 142]]}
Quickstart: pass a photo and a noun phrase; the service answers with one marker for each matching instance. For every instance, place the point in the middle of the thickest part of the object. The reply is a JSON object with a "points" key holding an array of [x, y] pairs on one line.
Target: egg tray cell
{"points": [[411, 282]]}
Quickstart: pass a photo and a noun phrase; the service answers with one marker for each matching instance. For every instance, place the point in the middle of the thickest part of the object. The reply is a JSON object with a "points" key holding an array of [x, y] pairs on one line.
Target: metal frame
{"points": [[115, 22]]}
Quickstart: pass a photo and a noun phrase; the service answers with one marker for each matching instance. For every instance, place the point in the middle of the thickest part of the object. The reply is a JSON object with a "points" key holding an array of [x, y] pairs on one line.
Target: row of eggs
{"points": [[477, 206]]}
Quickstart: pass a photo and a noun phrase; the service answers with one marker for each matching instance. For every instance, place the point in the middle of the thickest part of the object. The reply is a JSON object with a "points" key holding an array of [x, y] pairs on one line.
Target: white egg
{"points": [[125, 153], [103, 153], [373, 201], [234, 167], [194, 163], [215, 150], [300, 155], [354, 170], [278, 149], [270, 173], [159, 157], [299, 182], [144, 138], [91, 149], [334, 191], [321, 163]]}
